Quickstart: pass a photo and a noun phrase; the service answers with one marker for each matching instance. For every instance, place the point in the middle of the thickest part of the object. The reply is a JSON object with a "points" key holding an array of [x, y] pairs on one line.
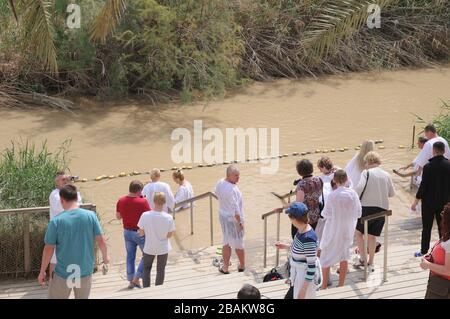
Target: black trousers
{"points": [[428, 216], [161, 261]]}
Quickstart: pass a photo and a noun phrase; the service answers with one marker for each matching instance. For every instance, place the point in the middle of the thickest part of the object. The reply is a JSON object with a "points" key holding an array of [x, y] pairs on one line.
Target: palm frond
{"points": [[107, 19], [335, 20], [39, 31]]}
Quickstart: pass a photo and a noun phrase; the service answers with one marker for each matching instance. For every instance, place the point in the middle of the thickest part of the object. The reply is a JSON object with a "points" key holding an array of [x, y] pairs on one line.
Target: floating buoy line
{"points": [[248, 160]]}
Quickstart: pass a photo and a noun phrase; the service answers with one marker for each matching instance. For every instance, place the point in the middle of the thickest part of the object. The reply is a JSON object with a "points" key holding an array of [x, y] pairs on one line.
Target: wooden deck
{"points": [[191, 275]]}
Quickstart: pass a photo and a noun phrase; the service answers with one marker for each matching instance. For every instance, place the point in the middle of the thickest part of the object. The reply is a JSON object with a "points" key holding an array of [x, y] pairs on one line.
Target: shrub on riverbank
{"points": [[442, 122], [26, 179], [184, 48]]}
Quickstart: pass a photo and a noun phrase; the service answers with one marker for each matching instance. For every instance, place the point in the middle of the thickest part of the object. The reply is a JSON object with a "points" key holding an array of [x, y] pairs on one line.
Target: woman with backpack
{"points": [[303, 258], [438, 262]]}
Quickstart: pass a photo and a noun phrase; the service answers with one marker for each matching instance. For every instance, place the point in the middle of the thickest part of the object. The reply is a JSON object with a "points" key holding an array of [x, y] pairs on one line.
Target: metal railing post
{"points": [[265, 242], [278, 239], [192, 219], [26, 244], [211, 218], [366, 240], [386, 238]]}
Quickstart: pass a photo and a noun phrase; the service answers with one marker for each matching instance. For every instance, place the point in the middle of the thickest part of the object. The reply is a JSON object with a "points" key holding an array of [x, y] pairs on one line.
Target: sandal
{"points": [[241, 269], [223, 271], [378, 247]]}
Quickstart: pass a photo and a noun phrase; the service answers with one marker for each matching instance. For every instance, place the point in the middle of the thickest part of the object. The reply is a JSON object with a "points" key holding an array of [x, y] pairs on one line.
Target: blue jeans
{"points": [[132, 241]]}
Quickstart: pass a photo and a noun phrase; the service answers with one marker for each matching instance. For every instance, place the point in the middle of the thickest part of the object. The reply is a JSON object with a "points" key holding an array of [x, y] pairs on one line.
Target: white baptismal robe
{"points": [[184, 192], [353, 171], [230, 199], [341, 214]]}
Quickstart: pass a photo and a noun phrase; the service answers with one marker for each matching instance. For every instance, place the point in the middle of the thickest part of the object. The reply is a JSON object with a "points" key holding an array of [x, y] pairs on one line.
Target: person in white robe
{"points": [[156, 186], [327, 168], [231, 217], [341, 214], [427, 151], [355, 167], [185, 190]]}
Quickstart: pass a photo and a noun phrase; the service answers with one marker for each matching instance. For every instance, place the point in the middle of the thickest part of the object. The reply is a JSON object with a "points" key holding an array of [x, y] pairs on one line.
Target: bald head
{"points": [[232, 174]]}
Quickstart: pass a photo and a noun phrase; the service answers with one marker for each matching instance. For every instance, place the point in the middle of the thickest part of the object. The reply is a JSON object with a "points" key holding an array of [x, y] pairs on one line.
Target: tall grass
{"points": [[26, 180], [441, 121]]}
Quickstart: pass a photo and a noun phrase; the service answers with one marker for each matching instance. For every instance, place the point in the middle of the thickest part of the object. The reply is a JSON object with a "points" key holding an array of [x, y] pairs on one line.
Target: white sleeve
{"points": [[140, 223], [424, 155], [358, 206], [80, 200], [181, 194], [172, 225], [326, 213], [362, 182], [170, 201]]}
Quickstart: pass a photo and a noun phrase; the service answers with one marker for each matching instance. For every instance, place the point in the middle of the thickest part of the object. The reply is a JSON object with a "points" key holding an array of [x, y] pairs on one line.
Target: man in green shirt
{"points": [[72, 233]]}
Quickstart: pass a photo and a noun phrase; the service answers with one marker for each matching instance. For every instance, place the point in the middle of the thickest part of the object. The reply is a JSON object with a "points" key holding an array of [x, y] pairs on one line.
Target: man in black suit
{"points": [[434, 191]]}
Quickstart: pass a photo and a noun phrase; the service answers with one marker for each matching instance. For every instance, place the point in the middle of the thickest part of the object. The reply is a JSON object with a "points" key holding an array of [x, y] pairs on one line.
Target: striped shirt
{"points": [[304, 250]]}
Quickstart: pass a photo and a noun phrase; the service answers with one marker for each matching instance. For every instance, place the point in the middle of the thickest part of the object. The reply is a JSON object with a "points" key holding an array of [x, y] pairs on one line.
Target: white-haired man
{"points": [[231, 216]]}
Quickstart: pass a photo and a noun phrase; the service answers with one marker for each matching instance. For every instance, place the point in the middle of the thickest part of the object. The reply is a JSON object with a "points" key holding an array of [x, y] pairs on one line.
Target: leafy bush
{"points": [[26, 179]]}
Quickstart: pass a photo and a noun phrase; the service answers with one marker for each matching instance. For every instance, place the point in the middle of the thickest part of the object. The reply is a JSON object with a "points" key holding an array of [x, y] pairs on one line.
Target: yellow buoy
{"points": [[325, 151], [122, 174], [357, 148], [346, 148], [295, 154], [341, 150], [162, 170], [332, 150], [84, 180], [401, 146], [174, 168], [303, 153], [111, 176], [381, 147], [200, 165], [317, 151], [99, 178]]}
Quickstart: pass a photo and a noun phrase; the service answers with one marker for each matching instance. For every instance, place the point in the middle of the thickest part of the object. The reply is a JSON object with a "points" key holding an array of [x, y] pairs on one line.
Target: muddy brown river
{"points": [[324, 113]]}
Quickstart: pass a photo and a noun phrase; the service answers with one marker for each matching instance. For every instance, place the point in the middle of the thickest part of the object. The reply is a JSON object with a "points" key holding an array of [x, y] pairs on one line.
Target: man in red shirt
{"points": [[129, 209]]}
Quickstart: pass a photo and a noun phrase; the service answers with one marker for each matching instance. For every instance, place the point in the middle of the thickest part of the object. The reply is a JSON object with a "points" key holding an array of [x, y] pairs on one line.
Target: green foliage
{"points": [[27, 174], [183, 45], [199, 48], [442, 121]]}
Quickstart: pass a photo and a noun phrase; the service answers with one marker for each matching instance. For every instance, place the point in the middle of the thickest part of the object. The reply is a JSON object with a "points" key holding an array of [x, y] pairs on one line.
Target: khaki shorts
{"points": [[60, 290]]}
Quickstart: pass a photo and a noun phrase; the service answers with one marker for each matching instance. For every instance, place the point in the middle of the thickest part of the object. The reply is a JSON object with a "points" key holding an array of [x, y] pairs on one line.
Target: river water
{"points": [[324, 113]]}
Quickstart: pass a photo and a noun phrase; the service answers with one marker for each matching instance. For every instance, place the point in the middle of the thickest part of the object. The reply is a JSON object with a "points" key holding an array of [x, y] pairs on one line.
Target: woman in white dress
{"points": [[355, 167], [341, 214], [184, 191]]}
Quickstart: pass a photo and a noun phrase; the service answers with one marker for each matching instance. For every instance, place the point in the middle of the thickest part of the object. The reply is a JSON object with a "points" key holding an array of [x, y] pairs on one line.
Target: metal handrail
{"points": [[190, 201], [264, 218], [26, 212], [366, 220]]}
